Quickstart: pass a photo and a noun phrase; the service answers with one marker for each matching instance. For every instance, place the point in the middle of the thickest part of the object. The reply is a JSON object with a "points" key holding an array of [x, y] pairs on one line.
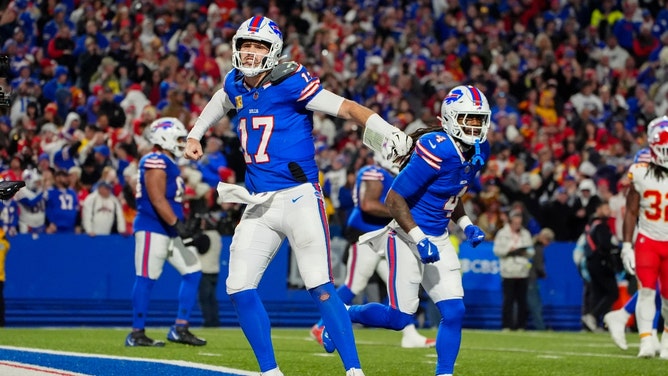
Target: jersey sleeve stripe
{"points": [[155, 163], [372, 175], [428, 157], [309, 90]]}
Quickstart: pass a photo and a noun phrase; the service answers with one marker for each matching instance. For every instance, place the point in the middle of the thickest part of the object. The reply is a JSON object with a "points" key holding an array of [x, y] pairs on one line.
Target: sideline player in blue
{"points": [[273, 118], [370, 214], [424, 197], [160, 234]]}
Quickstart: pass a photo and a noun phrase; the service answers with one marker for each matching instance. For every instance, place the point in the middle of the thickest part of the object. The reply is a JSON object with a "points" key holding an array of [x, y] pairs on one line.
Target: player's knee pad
{"points": [[397, 319], [452, 310]]}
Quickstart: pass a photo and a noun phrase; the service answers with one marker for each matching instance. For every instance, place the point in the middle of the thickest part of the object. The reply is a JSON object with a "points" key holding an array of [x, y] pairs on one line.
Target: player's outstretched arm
{"points": [[379, 135]]}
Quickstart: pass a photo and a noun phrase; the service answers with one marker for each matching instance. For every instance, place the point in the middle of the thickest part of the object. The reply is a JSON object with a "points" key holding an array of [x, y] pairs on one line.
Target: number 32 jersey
{"points": [[653, 213], [147, 219], [275, 128]]}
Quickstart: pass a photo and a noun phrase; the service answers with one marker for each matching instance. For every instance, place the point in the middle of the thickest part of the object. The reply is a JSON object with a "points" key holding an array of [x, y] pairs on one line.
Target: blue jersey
{"points": [[436, 176], [9, 214], [62, 208], [275, 128], [147, 219], [358, 219]]}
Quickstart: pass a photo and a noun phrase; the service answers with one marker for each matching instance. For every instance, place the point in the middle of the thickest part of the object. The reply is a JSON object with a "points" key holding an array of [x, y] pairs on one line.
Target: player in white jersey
{"points": [[32, 203], [273, 118], [647, 206]]}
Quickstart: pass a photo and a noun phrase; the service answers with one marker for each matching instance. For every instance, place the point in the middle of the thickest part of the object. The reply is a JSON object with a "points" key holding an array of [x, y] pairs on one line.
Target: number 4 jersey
{"points": [[653, 215], [147, 218]]}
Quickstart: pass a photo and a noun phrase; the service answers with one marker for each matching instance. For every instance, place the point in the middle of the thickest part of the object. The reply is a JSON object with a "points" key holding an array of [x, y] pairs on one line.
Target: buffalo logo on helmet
{"points": [[453, 96]]}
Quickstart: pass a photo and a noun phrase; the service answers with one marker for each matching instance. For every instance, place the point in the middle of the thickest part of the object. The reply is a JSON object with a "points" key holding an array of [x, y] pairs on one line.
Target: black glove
{"points": [[201, 242], [9, 188], [192, 237], [182, 230]]}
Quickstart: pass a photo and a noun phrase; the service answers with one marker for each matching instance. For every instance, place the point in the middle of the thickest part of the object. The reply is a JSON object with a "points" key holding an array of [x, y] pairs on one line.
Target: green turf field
{"points": [[482, 353]]}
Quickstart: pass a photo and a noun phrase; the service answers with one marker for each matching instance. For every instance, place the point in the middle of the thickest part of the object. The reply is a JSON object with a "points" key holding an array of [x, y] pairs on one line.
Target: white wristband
{"points": [[416, 234], [464, 222], [376, 132]]}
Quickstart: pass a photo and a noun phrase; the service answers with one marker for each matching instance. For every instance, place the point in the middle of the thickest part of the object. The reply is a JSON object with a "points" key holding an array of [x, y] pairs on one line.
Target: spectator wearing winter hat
{"points": [[59, 20], [585, 204], [60, 80]]}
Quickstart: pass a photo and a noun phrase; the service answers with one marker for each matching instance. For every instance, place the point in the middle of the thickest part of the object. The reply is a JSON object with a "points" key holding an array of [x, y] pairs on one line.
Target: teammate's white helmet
{"points": [[261, 29], [461, 102], [657, 137], [31, 177], [170, 134]]}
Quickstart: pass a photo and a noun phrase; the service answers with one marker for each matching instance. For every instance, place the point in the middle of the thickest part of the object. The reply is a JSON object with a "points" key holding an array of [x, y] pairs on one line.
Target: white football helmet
{"points": [[32, 178], [657, 137], [261, 29], [460, 103], [170, 134]]}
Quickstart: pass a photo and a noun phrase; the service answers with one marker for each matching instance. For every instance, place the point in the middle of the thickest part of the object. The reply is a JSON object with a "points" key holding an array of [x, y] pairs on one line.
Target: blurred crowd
{"points": [[572, 84]]}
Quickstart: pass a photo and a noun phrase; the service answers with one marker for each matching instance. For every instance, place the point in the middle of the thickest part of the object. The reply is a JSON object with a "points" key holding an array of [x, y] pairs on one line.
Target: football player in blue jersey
{"points": [[160, 234], [273, 107], [370, 214], [424, 197]]}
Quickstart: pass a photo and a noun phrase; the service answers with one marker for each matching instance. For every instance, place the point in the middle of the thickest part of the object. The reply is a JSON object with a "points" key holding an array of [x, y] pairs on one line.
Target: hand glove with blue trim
{"points": [[474, 234]]}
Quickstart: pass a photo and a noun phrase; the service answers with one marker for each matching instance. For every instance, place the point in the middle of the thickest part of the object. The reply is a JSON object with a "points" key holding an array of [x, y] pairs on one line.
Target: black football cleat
{"points": [[139, 338], [181, 334]]}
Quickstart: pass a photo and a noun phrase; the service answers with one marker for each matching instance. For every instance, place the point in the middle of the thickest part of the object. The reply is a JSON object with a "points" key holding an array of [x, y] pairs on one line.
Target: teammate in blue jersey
{"points": [[370, 214], [62, 206], [273, 117], [424, 197], [160, 234]]}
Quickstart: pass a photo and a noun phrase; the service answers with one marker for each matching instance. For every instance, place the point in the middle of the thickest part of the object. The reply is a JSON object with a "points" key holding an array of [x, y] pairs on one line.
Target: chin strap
{"points": [[477, 157]]}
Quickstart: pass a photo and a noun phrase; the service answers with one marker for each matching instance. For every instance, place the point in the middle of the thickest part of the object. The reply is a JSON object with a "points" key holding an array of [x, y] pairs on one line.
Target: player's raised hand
{"points": [[193, 149], [628, 258], [474, 234]]}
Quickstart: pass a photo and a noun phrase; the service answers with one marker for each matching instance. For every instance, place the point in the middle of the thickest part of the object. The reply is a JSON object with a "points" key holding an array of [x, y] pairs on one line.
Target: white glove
{"points": [[397, 145], [628, 258], [385, 139]]}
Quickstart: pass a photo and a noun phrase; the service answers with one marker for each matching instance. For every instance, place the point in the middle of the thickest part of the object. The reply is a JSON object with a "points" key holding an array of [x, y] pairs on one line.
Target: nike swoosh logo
{"points": [[296, 198], [433, 146]]}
